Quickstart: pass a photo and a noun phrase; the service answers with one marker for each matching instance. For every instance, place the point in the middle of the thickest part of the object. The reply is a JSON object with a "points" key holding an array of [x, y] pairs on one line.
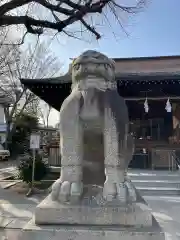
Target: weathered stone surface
{"points": [[93, 211], [4, 221], [93, 164], [75, 232], [96, 148], [95, 145]]}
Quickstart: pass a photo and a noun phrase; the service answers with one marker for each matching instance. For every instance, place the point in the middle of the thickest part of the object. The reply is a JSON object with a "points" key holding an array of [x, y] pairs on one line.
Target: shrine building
{"points": [[151, 88]]}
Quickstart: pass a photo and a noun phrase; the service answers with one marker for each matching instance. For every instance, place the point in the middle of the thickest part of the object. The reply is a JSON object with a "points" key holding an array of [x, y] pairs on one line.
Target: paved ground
{"points": [[166, 209], [16, 210], [167, 212], [7, 168], [7, 164]]}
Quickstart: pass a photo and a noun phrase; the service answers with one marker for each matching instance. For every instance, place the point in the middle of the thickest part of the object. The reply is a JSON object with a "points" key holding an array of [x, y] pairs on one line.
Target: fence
{"points": [[54, 158], [157, 158], [164, 158], [161, 158]]}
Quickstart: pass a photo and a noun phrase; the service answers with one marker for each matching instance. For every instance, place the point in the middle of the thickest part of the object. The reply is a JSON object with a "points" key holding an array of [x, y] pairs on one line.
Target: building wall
{"points": [[166, 65], [161, 158]]}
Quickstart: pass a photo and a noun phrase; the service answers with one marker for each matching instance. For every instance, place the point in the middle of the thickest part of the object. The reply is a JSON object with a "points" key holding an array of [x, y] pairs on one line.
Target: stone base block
{"points": [[75, 232], [51, 212]]}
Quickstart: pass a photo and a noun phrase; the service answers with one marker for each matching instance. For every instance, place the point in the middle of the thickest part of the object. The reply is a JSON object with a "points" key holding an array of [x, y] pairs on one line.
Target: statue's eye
{"points": [[77, 66]]}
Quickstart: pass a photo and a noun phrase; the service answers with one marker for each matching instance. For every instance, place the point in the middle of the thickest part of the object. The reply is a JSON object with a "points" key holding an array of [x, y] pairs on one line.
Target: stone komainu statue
{"points": [[95, 145]]}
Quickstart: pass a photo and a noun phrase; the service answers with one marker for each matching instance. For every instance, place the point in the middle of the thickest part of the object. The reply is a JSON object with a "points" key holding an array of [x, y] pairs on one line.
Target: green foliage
{"points": [[24, 124], [26, 165], [26, 121]]}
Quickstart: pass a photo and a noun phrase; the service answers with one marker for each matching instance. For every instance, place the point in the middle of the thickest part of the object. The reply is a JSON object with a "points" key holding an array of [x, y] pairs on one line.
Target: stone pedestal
{"points": [[90, 232], [94, 218], [50, 212]]}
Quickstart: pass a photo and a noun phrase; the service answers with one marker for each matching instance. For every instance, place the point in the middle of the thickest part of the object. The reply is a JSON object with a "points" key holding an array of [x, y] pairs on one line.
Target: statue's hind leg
{"points": [[114, 186]]}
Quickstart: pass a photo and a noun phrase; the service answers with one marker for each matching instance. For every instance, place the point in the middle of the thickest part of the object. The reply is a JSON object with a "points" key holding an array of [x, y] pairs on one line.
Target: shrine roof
{"points": [[55, 90], [170, 57], [159, 76], [125, 77], [160, 68]]}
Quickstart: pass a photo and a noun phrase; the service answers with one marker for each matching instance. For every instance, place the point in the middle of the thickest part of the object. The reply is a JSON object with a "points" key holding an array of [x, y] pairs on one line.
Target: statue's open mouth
{"points": [[91, 82]]}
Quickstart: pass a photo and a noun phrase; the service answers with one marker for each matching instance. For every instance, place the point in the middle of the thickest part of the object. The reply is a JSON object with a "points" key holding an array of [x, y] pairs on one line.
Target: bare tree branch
{"points": [[36, 61], [67, 12], [45, 112], [8, 52]]}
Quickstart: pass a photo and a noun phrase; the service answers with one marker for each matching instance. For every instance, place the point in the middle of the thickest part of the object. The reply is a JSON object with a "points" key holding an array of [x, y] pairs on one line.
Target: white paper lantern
{"points": [[168, 106], [146, 107]]}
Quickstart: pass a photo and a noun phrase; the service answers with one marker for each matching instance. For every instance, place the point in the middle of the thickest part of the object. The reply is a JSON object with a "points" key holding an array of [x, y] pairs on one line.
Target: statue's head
{"points": [[93, 65]]}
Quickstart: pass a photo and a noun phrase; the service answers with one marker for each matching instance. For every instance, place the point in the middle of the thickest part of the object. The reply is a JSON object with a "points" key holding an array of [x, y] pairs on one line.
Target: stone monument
{"points": [[93, 189]]}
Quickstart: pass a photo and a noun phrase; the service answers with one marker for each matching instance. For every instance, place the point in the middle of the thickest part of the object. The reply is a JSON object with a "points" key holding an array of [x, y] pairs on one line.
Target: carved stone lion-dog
{"points": [[95, 145]]}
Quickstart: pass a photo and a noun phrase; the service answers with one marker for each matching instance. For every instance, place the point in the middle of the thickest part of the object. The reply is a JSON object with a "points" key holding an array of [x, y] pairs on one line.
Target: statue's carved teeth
{"points": [[98, 65], [106, 66]]}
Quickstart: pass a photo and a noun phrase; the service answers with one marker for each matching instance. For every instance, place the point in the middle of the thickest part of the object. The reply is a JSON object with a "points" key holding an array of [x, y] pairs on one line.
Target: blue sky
{"points": [[153, 32]]}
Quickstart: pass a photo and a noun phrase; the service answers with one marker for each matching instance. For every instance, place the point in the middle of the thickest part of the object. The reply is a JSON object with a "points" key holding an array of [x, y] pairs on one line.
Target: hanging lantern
{"points": [[168, 106], [146, 107]]}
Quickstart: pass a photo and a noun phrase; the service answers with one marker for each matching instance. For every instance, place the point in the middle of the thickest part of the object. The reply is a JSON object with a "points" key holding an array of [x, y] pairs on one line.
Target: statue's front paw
{"points": [[115, 191], [64, 191], [123, 192]]}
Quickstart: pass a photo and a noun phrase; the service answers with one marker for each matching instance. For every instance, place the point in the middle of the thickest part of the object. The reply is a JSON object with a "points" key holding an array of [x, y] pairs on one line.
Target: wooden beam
{"points": [[152, 98]]}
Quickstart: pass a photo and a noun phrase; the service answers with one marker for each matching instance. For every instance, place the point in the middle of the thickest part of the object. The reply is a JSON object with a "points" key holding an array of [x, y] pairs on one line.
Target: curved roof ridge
{"points": [[142, 58]]}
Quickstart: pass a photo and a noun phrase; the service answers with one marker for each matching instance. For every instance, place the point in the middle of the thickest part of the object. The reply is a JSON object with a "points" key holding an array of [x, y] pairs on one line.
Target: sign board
{"points": [[35, 141]]}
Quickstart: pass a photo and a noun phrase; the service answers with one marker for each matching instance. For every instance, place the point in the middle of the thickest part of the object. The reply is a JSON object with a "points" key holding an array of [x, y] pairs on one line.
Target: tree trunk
{"points": [[8, 130], [9, 134]]}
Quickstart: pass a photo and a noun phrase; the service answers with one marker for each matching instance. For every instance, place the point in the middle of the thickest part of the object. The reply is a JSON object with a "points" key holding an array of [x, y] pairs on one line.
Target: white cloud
{"points": [[54, 117]]}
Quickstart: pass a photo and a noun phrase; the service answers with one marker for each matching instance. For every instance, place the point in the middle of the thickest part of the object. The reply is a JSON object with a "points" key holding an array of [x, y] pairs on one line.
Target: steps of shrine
{"points": [[156, 182]]}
